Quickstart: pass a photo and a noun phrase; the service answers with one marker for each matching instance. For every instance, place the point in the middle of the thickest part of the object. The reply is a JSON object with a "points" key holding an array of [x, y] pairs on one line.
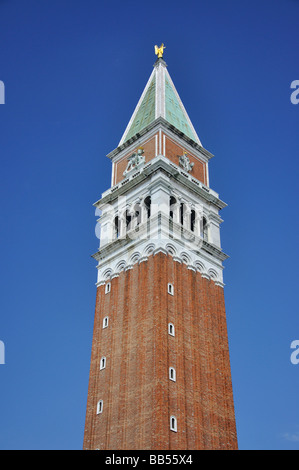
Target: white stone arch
{"points": [[200, 267], [120, 266], [171, 250], [149, 249], [185, 258], [213, 274], [107, 274], [135, 258]]}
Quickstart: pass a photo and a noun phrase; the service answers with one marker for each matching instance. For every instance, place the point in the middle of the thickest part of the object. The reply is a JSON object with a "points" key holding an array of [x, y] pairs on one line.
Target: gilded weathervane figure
{"points": [[159, 50]]}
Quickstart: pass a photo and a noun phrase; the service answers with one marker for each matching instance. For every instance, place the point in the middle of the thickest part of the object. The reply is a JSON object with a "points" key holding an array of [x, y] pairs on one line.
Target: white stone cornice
{"points": [[128, 267], [205, 276], [198, 264], [160, 123], [192, 268], [220, 284]]}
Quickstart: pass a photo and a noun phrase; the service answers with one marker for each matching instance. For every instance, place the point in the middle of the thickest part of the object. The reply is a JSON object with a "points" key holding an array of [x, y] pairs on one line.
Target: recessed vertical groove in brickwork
{"points": [[140, 353], [96, 369], [222, 349], [104, 376], [161, 400], [89, 421], [209, 358], [213, 398], [130, 409], [173, 341], [217, 362], [167, 276], [125, 355], [209, 335], [112, 335], [89, 418], [130, 346], [172, 345], [109, 332], [152, 274], [92, 408], [141, 400], [198, 327], [149, 352], [180, 359], [113, 428], [181, 276], [189, 361], [171, 359], [206, 374], [219, 340], [102, 392], [221, 372], [156, 318], [135, 357]]}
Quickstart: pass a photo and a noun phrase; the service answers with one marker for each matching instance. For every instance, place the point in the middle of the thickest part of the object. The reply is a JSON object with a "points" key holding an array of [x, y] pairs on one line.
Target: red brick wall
{"points": [[149, 148], [171, 150], [138, 396]]}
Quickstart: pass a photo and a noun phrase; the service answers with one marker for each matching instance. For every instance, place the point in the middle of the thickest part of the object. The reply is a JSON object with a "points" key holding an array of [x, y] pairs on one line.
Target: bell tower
{"points": [[160, 370]]}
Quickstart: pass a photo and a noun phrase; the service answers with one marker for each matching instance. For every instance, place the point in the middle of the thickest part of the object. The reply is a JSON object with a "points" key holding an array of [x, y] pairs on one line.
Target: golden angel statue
{"points": [[159, 50]]}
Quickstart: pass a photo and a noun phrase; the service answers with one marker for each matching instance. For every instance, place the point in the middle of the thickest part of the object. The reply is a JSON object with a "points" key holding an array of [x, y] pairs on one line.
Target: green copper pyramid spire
{"points": [[175, 113], [146, 111], [160, 99]]}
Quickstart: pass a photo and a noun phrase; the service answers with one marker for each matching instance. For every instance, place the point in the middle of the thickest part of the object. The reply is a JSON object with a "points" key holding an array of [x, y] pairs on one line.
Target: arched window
{"points": [[103, 363], [107, 287], [172, 203], [171, 329], [100, 407], [116, 227], [137, 214], [172, 374], [105, 322], [128, 220], [182, 213], [192, 220], [173, 424], [205, 229], [147, 205], [170, 289]]}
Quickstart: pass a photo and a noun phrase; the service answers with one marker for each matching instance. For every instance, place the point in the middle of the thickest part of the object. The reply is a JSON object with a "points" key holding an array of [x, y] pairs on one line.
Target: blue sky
{"points": [[73, 73]]}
